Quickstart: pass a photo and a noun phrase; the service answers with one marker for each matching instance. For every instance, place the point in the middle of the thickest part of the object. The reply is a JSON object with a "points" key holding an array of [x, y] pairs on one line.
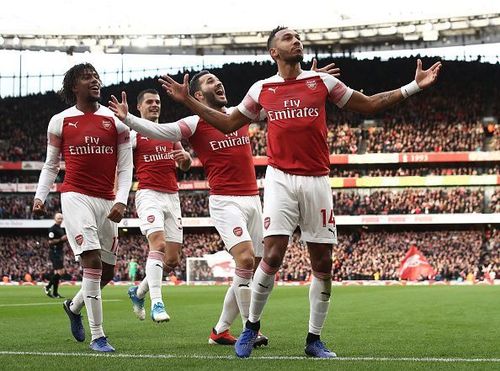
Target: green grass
{"points": [[392, 322]]}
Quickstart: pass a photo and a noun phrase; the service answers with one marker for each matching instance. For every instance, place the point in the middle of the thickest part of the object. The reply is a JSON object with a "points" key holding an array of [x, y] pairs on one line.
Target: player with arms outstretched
{"points": [[297, 190], [235, 206]]}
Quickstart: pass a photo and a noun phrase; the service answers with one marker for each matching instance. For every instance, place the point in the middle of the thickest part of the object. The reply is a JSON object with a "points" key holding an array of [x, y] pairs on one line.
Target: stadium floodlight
{"points": [[16, 41], [1, 40], [315, 36], [407, 29], [432, 35], [350, 34], [484, 22], [442, 26], [386, 31], [332, 35], [427, 27], [459, 25], [369, 32]]}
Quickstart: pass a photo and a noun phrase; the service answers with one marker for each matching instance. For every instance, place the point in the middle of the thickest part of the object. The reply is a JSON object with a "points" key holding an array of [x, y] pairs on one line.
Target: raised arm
{"points": [[374, 103], [168, 131], [219, 120]]}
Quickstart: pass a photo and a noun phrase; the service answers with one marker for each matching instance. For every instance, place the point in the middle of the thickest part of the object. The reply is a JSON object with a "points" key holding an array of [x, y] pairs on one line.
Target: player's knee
{"points": [[323, 266], [171, 260], [159, 245], [246, 260], [273, 258]]}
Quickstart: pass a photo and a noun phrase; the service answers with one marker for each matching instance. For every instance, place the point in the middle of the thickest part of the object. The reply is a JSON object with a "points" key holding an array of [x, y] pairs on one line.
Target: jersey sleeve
{"points": [[338, 92], [124, 163], [50, 168], [133, 138], [173, 132], [250, 106], [123, 134]]}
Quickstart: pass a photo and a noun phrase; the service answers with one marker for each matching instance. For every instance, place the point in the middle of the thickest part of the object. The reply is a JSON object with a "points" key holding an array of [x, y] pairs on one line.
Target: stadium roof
{"points": [[203, 27]]}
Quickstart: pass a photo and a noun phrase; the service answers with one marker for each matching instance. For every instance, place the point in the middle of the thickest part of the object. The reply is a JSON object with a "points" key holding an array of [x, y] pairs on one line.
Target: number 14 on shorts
{"points": [[327, 217]]}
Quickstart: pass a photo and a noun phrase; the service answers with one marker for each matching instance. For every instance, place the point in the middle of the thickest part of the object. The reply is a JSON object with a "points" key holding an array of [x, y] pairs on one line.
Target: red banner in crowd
{"points": [[415, 266]]}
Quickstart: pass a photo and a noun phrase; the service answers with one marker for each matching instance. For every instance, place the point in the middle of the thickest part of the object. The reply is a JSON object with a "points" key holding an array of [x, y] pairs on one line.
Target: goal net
{"points": [[210, 269]]}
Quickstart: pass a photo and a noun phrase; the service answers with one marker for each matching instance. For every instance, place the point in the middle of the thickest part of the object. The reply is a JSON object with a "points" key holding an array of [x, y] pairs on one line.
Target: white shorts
{"points": [[238, 219], [295, 200], [87, 225], [159, 211]]}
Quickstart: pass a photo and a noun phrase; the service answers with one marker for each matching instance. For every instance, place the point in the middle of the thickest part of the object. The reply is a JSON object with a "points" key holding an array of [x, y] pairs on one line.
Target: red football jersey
{"points": [[296, 119], [226, 158], [154, 163], [89, 144]]}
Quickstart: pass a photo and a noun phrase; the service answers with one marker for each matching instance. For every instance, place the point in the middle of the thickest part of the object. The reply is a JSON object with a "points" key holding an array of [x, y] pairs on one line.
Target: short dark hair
{"points": [[70, 78], [194, 84], [273, 34], [141, 95]]}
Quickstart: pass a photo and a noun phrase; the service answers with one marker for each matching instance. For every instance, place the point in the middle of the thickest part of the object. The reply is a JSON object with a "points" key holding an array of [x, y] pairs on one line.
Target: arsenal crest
{"points": [[267, 222], [106, 124], [79, 239], [238, 231], [311, 84], [151, 218]]}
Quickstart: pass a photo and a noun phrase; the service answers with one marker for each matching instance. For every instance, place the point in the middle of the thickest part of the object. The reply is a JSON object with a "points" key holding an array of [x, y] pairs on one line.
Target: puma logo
{"points": [[244, 285], [159, 265], [327, 294], [273, 89], [331, 230], [261, 285], [96, 297], [74, 124]]}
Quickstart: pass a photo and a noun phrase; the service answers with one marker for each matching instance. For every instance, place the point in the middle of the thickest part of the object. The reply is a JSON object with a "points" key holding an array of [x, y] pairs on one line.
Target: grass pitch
{"points": [[370, 328]]}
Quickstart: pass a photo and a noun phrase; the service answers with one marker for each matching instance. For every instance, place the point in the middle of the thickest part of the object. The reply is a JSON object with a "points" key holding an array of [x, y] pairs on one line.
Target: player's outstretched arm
{"points": [[219, 120], [150, 129], [378, 102]]}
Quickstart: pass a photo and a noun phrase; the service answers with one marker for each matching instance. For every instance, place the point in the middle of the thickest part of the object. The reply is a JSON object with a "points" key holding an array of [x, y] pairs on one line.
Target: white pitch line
{"points": [[215, 357], [35, 304]]}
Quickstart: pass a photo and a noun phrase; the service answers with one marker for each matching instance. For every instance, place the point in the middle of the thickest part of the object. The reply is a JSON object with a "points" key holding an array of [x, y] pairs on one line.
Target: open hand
{"points": [[176, 91], [329, 68], [120, 109], [426, 78]]}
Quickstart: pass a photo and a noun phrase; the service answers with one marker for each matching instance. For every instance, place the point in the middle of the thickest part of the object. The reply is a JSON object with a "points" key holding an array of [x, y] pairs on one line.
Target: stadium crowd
{"points": [[435, 121], [345, 202], [368, 255]]}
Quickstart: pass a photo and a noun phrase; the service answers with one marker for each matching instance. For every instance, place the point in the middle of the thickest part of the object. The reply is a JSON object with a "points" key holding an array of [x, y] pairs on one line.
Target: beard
{"points": [[294, 58], [212, 100]]}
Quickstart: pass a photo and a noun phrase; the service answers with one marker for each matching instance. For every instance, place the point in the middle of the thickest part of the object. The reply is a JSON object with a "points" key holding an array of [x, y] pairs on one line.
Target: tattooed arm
{"points": [[374, 103]]}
